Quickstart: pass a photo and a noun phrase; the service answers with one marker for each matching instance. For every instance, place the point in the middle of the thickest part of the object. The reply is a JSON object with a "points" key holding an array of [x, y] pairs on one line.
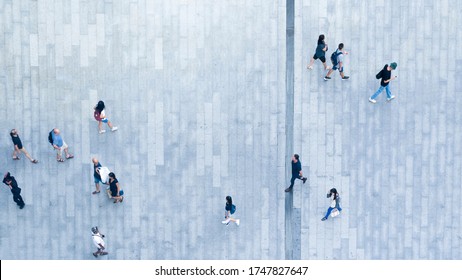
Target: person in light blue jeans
{"points": [[334, 204], [386, 78]]}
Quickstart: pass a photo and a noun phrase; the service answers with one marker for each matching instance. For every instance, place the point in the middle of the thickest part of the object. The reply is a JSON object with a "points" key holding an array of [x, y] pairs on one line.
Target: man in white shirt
{"points": [[98, 241]]}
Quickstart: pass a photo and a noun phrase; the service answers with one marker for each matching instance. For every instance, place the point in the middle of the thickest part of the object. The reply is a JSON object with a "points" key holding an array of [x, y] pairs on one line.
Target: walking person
{"points": [[320, 53], [296, 172], [115, 191], [18, 147], [96, 175], [337, 59], [10, 181], [334, 207], [230, 209], [59, 145], [386, 78], [100, 116], [98, 241]]}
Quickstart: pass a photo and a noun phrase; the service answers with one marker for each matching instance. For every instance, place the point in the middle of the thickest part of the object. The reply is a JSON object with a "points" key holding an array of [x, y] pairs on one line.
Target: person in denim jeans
{"points": [[386, 77], [334, 203]]}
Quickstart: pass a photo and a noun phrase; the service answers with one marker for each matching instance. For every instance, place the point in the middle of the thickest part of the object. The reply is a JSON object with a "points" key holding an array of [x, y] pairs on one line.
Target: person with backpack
{"points": [[100, 116], [337, 58], [230, 209], [386, 78], [320, 53], [334, 208], [18, 148], [10, 181], [55, 139]]}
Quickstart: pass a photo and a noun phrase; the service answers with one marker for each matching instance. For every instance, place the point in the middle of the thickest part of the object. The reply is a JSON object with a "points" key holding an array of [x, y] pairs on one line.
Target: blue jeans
{"points": [[380, 91], [330, 210]]}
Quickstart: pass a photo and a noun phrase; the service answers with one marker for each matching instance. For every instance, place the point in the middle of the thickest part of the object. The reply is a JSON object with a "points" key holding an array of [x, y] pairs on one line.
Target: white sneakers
{"points": [[114, 128], [373, 101], [102, 131], [391, 98], [227, 221], [309, 67]]}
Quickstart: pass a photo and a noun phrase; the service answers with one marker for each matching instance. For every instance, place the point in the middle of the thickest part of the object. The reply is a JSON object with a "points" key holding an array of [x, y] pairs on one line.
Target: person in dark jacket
{"points": [[18, 148], [386, 78], [296, 172], [10, 181]]}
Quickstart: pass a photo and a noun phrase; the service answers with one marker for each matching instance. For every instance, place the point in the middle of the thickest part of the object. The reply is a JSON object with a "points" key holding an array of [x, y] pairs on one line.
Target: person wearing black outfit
{"points": [[114, 189], [18, 148], [385, 75], [296, 172], [10, 181]]}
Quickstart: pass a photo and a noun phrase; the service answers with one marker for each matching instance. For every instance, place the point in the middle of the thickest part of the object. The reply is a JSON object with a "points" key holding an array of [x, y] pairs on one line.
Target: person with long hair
{"points": [[320, 53], [100, 116], [334, 203], [114, 188], [18, 148], [230, 208]]}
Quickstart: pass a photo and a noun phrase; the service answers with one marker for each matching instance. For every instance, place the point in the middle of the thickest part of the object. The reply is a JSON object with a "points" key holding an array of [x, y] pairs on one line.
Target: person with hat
{"points": [[386, 78], [98, 241], [10, 181]]}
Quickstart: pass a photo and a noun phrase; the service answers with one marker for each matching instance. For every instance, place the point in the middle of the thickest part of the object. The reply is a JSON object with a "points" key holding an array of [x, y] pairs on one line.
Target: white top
{"points": [[102, 114], [104, 173], [97, 239]]}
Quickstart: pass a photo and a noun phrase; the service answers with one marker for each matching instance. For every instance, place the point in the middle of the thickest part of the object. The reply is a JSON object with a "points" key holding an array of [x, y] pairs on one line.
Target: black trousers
{"points": [[292, 181], [18, 199]]}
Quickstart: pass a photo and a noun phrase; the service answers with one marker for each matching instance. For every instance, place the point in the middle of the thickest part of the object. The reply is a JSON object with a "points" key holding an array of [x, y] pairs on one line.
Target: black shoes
{"points": [[22, 206], [288, 189], [323, 219], [327, 78], [345, 78], [304, 180]]}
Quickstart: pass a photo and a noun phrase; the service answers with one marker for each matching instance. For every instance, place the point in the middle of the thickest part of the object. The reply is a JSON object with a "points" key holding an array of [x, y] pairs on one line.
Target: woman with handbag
{"points": [[230, 208], [114, 189], [334, 209]]}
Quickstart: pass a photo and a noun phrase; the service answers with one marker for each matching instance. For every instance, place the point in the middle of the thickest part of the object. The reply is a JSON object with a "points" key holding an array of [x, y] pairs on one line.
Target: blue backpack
{"points": [[334, 57]]}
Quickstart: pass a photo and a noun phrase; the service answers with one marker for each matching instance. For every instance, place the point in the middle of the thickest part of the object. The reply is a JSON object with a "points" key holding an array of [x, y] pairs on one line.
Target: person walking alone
{"points": [[386, 78], [10, 181], [337, 59], [18, 148], [230, 209], [320, 53], [100, 116], [296, 172], [334, 203], [98, 241]]}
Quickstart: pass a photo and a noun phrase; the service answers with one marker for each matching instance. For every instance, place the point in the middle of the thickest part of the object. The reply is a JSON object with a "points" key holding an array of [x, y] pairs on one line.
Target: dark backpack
{"points": [[50, 137], [233, 209], [334, 57], [380, 74]]}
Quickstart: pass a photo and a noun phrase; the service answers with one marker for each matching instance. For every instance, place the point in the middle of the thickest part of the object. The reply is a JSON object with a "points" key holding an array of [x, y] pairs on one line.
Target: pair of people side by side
{"points": [[98, 241], [10, 181], [320, 53], [337, 59], [334, 208], [115, 191], [230, 209], [100, 116], [386, 78], [56, 140], [18, 147], [296, 172]]}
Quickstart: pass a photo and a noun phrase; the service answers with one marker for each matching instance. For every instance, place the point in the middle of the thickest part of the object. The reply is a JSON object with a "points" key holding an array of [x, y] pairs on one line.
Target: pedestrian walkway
{"points": [[198, 90]]}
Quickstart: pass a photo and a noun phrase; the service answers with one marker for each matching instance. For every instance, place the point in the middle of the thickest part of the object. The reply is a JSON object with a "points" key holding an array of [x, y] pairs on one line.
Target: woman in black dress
{"points": [[114, 189]]}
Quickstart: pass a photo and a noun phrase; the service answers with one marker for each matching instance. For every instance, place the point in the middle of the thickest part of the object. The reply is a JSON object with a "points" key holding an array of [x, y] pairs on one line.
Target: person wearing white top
{"points": [[334, 203], [98, 241], [100, 116]]}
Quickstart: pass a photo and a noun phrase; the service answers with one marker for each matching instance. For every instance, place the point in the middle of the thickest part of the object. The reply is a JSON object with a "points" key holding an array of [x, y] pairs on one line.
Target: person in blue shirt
{"points": [[296, 172], [60, 146]]}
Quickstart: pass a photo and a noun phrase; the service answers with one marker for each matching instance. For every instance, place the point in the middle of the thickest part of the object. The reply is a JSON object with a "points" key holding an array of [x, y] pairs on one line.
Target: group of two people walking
{"points": [[334, 208]]}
